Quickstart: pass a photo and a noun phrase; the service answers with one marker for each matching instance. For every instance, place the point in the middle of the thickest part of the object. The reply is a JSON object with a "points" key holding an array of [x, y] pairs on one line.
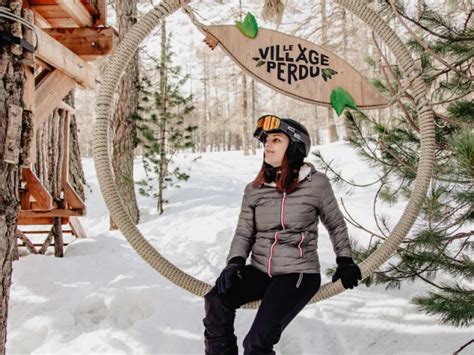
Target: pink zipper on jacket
{"points": [[299, 245], [275, 237]]}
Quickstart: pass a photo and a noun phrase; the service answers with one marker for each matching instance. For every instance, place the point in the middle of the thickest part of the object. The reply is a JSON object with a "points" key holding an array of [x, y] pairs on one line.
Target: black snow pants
{"points": [[283, 297]]}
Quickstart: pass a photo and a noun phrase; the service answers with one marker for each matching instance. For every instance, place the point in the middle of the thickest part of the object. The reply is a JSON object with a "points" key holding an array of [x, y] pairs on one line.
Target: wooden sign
{"points": [[293, 66]]}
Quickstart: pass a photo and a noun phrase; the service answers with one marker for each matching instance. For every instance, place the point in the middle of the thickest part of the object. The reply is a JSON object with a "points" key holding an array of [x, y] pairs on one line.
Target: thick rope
{"points": [[117, 64], [427, 132]]}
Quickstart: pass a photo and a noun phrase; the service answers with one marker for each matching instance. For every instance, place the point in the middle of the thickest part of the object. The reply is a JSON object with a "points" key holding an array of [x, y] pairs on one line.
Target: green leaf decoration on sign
{"points": [[259, 64], [328, 73], [249, 26], [340, 99]]}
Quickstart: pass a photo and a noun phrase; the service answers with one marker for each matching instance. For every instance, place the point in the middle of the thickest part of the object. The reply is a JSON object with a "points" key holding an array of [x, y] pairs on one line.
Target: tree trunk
{"points": [[12, 115], [245, 116], [162, 125], [332, 132], [254, 114], [123, 126], [317, 136], [76, 173], [227, 132], [347, 130], [419, 8], [204, 120], [50, 152]]}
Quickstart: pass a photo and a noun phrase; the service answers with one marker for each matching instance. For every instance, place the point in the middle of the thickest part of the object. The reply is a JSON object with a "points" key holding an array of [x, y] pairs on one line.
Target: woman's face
{"points": [[275, 148]]}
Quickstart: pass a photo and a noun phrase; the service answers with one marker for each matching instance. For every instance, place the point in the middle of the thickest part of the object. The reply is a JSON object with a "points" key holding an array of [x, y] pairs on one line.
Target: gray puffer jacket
{"points": [[281, 229]]}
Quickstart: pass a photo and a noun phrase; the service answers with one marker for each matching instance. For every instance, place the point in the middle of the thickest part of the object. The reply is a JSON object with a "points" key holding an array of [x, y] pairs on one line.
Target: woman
{"points": [[278, 226]]}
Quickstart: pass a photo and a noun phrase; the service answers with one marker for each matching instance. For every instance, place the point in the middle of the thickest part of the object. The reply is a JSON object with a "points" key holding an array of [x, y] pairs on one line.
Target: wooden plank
{"points": [[37, 190], [37, 221], [64, 106], [25, 199], [62, 58], [26, 242], [46, 231], [49, 94], [63, 22], [88, 43], [42, 251], [49, 11], [77, 228], [46, 243], [40, 21], [77, 11], [91, 6], [55, 15], [295, 67], [52, 213], [102, 8], [73, 200]]}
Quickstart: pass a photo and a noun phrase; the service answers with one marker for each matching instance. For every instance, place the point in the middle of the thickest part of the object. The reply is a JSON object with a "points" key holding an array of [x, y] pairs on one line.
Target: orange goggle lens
{"points": [[268, 123]]}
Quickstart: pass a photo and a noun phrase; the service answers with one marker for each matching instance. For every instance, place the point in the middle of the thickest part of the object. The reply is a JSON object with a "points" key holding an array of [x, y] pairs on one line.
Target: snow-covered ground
{"points": [[102, 298]]}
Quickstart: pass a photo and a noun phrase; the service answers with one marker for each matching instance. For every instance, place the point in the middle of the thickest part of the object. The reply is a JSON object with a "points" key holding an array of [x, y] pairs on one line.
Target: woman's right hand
{"points": [[227, 276]]}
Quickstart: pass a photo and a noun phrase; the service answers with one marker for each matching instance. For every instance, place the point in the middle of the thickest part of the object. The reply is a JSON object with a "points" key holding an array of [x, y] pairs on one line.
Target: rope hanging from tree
{"points": [[118, 63]]}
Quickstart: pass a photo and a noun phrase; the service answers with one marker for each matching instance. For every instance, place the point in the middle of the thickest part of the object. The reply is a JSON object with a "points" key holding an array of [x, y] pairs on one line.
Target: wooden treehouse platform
{"points": [[70, 34]]}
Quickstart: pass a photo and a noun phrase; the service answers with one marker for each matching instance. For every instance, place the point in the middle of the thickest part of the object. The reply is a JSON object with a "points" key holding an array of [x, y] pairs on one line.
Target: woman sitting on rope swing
{"points": [[278, 223]]}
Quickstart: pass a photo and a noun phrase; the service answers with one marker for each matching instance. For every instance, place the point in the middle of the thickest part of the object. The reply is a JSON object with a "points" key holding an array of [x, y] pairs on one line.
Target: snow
{"points": [[102, 298]]}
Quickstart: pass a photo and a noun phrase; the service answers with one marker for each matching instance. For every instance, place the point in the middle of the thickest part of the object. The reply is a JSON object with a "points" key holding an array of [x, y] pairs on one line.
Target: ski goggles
{"points": [[270, 123]]}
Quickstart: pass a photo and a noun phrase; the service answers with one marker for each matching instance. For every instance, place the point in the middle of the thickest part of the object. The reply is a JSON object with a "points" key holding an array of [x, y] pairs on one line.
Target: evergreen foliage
{"points": [[163, 132], [438, 250]]}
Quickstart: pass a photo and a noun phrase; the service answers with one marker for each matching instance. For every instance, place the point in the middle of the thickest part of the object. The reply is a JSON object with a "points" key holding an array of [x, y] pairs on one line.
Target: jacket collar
{"points": [[306, 170]]}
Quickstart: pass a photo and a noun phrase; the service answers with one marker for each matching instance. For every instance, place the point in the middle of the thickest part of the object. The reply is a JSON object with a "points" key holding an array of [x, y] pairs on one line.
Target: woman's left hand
{"points": [[347, 271]]}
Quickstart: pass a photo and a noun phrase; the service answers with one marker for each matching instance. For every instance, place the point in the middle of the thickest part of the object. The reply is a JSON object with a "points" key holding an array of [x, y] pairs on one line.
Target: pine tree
{"points": [[162, 125], [438, 249]]}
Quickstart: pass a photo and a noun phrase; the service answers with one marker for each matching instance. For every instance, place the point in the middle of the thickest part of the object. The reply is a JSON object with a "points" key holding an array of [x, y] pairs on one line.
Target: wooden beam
{"points": [[76, 227], [73, 200], [62, 58], [64, 106], [26, 242], [77, 11], [88, 43], [102, 8], [53, 14], [37, 221], [52, 213], [37, 190], [47, 231], [49, 94], [40, 21]]}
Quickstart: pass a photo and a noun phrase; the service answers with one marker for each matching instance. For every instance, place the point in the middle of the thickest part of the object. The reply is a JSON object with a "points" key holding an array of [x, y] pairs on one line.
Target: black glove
{"points": [[232, 270], [347, 271]]}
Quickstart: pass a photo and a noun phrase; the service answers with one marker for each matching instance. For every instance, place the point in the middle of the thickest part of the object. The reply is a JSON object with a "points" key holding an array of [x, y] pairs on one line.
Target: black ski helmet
{"points": [[300, 141]]}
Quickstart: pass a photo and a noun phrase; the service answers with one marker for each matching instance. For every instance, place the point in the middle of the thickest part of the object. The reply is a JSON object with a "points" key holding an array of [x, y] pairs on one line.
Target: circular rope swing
{"points": [[117, 64]]}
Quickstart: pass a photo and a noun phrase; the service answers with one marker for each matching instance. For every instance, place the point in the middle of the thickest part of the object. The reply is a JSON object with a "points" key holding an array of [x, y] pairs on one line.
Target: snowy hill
{"points": [[102, 298]]}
